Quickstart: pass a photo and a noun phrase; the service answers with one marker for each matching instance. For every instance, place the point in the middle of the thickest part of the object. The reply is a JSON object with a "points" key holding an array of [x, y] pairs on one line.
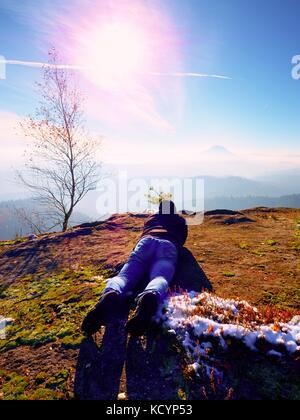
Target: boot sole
{"points": [[101, 314], [140, 323]]}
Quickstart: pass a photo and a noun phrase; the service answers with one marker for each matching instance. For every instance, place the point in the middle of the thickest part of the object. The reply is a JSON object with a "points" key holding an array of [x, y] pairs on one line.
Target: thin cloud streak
{"points": [[214, 76], [35, 64]]}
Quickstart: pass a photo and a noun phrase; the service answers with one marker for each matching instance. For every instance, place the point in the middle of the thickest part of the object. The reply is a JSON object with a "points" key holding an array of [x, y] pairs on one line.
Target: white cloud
{"points": [[36, 64], [186, 74], [11, 140], [9, 125]]}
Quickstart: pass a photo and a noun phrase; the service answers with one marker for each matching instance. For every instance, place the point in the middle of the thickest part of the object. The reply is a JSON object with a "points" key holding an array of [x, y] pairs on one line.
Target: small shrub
{"points": [[229, 274], [244, 246], [258, 252], [271, 242]]}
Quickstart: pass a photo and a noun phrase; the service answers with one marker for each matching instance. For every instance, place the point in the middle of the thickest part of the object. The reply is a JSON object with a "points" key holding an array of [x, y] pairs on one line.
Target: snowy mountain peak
{"points": [[218, 150]]}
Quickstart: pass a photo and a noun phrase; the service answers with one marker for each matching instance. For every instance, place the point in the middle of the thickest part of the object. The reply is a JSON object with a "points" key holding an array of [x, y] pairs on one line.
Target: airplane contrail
{"points": [[36, 64], [214, 76]]}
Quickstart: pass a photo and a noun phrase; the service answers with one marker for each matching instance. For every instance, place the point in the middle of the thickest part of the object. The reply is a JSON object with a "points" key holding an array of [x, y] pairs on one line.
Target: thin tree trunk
{"points": [[66, 223]]}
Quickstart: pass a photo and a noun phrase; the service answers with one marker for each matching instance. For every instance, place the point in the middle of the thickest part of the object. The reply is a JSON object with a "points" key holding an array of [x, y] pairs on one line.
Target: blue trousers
{"points": [[153, 259]]}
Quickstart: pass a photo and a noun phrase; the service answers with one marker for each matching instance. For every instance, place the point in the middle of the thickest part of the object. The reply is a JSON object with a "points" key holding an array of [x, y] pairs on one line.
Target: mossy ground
{"points": [[46, 310]]}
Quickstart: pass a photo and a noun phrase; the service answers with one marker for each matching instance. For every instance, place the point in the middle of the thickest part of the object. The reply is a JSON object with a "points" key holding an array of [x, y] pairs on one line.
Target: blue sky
{"points": [[253, 112]]}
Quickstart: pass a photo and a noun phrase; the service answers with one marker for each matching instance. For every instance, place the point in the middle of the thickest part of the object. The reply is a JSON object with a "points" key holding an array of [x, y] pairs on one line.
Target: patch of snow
{"points": [[295, 320], [198, 320]]}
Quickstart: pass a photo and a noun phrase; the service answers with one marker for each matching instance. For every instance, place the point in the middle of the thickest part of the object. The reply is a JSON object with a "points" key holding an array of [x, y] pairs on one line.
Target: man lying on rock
{"points": [[154, 258]]}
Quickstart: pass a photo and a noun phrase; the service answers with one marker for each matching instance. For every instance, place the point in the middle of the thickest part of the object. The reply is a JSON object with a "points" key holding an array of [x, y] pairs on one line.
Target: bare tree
{"points": [[61, 166]]}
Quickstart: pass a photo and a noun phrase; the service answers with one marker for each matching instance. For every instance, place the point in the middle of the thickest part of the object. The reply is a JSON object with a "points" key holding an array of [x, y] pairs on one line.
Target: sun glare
{"points": [[113, 53]]}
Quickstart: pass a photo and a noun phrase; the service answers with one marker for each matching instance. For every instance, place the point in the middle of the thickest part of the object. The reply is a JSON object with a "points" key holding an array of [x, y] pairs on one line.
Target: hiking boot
{"points": [[102, 313], [141, 319]]}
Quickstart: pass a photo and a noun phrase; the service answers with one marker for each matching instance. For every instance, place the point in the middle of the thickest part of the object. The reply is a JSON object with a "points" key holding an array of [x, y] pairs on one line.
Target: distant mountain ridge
{"points": [[288, 180], [280, 189], [237, 187], [238, 203], [10, 227]]}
